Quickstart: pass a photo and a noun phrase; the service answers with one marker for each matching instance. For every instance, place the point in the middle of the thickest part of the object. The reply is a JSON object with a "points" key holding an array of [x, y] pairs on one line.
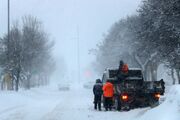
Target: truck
{"points": [[133, 91]]}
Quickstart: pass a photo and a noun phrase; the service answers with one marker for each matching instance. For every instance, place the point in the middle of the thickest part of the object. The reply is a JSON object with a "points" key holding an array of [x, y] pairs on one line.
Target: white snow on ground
{"points": [[49, 103], [168, 110]]}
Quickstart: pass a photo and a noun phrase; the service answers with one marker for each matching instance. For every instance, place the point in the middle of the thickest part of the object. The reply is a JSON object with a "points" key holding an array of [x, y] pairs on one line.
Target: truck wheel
{"points": [[153, 103], [117, 104], [127, 109]]}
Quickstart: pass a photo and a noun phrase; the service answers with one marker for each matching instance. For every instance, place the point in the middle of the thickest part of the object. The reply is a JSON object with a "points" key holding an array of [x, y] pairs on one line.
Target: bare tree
{"points": [[30, 51]]}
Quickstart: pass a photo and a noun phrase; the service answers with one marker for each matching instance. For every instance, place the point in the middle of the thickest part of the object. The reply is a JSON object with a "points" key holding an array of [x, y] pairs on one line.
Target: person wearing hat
{"points": [[97, 90], [122, 70]]}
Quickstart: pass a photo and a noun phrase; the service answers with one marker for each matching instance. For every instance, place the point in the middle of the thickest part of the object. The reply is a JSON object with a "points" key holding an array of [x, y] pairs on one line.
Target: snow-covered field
{"points": [[48, 103]]}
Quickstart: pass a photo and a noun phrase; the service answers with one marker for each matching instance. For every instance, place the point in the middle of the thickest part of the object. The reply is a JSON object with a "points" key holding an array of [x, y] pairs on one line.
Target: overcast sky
{"points": [[61, 18]]}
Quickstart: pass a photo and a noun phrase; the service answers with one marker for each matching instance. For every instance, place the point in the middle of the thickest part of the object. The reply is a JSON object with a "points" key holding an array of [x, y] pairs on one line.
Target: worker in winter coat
{"points": [[97, 90], [108, 92], [122, 71], [125, 69]]}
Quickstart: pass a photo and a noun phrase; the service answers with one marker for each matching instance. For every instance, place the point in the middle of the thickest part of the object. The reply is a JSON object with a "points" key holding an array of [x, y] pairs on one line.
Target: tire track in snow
{"points": [[52, 115], [141, 113], [56, 113], [13, 113], [11, 109], [77, 104], [70, 107]]}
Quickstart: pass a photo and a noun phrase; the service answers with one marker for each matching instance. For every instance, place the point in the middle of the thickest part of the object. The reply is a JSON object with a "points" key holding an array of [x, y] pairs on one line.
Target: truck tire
{"points": [[127, 109], [153, 103]]}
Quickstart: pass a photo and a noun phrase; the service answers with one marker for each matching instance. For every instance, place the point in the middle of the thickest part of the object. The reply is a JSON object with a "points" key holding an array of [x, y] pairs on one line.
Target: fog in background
{"points": [[68, 21]]}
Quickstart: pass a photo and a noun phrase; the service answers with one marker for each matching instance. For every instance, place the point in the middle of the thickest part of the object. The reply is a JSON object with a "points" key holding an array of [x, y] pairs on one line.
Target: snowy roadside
{"points": [[27, 105], [168, 110], [51, 104]]}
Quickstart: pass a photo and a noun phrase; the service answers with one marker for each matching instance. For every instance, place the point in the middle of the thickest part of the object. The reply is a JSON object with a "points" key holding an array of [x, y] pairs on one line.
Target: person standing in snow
{"points": [[97, 90], [108, 93]]}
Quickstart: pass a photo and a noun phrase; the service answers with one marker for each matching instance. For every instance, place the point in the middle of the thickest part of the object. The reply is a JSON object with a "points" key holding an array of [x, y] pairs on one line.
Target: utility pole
{"points": [[8, 45], [78, 55], [78, 45], [8, 29]]}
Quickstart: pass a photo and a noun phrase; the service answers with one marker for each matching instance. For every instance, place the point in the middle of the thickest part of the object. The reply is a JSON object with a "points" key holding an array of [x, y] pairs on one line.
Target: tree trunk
{"points": [[17, 80], [148, 72], [154, 76], [154, 71], [11, 82], [2, 85], [136, 58], [178, 75], [28, 81], [172, 75], [149, 68]]}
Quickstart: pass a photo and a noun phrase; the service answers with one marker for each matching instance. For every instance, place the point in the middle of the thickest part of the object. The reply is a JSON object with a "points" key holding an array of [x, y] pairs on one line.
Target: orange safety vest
{"points": [[108, 90], [125, 68]]}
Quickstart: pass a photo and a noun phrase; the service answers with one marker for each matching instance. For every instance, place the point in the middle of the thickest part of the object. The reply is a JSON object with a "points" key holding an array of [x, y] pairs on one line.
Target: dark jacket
{"points": [[121, 64], [97, 89]]}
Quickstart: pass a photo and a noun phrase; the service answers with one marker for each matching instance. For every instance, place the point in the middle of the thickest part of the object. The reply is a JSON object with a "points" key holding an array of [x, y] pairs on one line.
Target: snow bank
{"points": [[27, 105], [168, 110]]}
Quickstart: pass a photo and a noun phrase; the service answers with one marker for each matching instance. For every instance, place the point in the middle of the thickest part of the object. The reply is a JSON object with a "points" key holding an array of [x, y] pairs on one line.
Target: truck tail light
{"points": [[124, 97], [157, 95]]}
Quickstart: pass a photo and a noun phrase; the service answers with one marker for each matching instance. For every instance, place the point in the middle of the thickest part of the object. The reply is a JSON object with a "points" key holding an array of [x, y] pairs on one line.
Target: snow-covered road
{"points": [[76, 104]]}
